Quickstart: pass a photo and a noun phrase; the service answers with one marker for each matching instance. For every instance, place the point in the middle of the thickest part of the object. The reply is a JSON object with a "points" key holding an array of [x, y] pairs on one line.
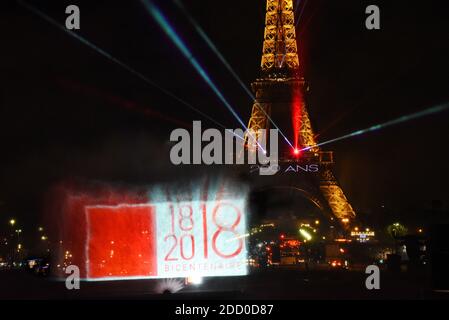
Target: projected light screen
{"points": [[167, 239]]}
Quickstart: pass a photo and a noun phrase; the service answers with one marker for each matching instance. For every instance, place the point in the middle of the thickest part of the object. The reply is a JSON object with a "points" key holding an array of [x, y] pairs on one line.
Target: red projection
{"points": [[114, 251], [116, 233], [67, 218], [296, 119]]}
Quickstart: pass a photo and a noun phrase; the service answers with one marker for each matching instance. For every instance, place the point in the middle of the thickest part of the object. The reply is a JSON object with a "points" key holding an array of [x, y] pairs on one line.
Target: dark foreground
{"points": [[268, 284]]}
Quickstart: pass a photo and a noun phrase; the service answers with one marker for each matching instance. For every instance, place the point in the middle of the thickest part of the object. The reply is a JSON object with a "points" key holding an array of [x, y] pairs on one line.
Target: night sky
{"points": [[66, 111]]}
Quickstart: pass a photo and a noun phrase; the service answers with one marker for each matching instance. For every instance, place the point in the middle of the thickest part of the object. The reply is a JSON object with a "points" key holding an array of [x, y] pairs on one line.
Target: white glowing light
{"points": [[169, 286], [196, 280], [208, 241], [305, 234]]}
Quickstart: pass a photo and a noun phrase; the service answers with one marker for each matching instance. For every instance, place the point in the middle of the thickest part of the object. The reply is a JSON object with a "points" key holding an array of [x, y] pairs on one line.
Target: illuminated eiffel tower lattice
{"points": [[280, 94]]}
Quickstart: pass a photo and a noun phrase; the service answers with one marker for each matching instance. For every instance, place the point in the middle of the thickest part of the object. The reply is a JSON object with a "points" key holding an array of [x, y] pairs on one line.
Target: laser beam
{"points": [[376, 127], [118, 62], [165, 25], [300, 14], [297, 7], [212, 46], [223, 60]]}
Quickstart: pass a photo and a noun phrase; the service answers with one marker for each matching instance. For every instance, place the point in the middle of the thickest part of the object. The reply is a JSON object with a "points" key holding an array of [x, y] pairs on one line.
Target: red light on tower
{"points": [[296, 110]]}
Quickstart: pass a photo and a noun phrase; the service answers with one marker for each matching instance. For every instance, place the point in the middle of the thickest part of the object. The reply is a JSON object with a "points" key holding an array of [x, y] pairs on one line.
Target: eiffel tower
{"points": [[280, 94]]}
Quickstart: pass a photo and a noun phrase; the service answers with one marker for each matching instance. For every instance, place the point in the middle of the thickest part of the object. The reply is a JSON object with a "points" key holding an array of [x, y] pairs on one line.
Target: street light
{"points": [[12, 222]]}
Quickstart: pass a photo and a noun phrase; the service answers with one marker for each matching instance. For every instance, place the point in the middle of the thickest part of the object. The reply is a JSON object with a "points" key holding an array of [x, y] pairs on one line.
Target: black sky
{"points": [[66, 111]]}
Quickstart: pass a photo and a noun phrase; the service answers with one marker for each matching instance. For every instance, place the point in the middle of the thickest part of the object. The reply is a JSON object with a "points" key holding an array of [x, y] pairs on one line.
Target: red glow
{"points": [[114, 251], [297, 104], [110, 232], [292, 243], [67, 206], [113, 100]]}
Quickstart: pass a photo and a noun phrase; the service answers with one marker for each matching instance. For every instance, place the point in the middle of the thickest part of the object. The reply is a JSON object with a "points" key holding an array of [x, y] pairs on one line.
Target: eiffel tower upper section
{"points": [[280, 52], [280, 97], [280, 87]]}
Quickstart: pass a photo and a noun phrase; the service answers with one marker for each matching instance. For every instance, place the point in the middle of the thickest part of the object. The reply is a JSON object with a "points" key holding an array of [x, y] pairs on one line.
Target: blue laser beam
{"points": [[376, 127], [211, 45], [165, 25], [298, 2], [300, 14], [120, 63], [223, 60]]}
